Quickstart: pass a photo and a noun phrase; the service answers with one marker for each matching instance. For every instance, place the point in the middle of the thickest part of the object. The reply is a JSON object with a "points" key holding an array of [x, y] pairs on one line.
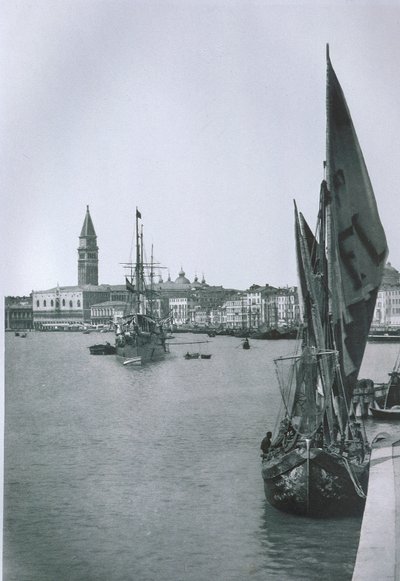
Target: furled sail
{"points": [[356, 243]]}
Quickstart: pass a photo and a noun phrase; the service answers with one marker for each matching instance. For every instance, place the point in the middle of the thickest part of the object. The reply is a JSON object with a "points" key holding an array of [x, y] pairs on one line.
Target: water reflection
{"points": [[297, 547]]}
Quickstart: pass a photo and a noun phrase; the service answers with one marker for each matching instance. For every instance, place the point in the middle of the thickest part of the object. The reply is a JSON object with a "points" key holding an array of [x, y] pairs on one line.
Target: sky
{"points": [[209, 116]]}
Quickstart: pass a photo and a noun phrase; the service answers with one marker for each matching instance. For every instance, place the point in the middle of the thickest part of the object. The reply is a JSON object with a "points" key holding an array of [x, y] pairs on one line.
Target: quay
{"points": [[378, 555]]}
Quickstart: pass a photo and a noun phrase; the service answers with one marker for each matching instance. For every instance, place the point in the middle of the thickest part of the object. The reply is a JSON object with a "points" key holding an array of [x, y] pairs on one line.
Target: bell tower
{"points": [[88, 253]]}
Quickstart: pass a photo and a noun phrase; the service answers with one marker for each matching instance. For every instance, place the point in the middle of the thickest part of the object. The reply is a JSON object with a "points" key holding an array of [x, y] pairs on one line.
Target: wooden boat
{"points": [[140, 333], [191, 355], [392, 413], [102, 349], [390, 406], [384, 338], [318, 462], [205, 356]]}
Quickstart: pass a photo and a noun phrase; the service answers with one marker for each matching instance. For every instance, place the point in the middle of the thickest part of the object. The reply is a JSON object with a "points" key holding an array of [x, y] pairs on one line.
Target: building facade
{"points": [[18, 314], [387, 308]]}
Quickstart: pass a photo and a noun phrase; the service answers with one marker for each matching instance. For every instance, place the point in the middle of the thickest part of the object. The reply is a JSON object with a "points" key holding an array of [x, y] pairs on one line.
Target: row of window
{"points": [[71, 304], [102, 312], [20, 315]]}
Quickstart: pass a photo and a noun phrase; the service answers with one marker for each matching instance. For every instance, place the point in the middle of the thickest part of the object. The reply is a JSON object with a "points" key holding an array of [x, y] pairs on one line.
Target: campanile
{"points": [[88, 253]]}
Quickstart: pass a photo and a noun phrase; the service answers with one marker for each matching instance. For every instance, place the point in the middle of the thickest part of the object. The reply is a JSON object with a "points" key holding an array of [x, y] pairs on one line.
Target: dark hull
{"points": [[148, 348], [384, 338], [318, 487], [102, 349], [385, 414]]}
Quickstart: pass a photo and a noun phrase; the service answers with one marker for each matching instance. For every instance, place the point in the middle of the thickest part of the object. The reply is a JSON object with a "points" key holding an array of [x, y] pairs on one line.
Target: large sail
{"points": [[356, 243]]}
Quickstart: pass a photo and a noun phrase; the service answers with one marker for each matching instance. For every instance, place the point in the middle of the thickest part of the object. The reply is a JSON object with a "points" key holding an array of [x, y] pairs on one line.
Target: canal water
{"points": [[153, 473]]}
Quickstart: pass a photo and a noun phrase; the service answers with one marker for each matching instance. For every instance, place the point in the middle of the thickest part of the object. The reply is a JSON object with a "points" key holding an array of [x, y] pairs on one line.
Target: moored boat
{"points": [[102, 349], [318, 461], [389, 407], [140, 334], [384, 338]]}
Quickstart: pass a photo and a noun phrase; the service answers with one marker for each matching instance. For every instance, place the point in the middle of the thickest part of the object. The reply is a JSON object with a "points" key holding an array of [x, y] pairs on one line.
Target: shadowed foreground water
{"points": [[151, 473]]}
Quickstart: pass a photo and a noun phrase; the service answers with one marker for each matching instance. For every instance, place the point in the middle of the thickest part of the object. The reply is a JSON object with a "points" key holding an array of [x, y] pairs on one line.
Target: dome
{"points": [[391, 276], [182, 278]]}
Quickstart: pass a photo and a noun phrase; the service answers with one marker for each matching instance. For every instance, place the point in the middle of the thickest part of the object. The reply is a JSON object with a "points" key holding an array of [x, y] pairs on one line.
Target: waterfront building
{"points": [[236, 312], [18, 313], [107, 313], [218, 316], [180, 309], [66, 305], [288, 307], [387, 308], [263, 307], [69, 306], [200, 316]]}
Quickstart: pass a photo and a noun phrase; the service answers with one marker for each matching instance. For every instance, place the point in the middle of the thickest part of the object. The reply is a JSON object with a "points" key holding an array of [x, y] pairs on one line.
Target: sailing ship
{"points": [[318, 461], [140, 335], [388, 408]]}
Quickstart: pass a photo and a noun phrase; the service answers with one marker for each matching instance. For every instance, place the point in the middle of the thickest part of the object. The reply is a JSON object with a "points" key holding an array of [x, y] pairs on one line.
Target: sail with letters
{"points": [[318, 462]]}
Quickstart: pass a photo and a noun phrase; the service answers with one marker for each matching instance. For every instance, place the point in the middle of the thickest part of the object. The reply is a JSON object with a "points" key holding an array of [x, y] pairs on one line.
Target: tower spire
{"points": [[88, 253]]}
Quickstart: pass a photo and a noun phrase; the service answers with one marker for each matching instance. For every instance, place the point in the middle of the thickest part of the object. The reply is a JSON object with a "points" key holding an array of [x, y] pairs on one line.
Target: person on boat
{"points": [[319, 437], [266, 443]]}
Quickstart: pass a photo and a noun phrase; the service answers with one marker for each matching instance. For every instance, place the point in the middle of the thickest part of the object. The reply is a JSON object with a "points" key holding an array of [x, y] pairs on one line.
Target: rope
{"points": [[357, 486]]}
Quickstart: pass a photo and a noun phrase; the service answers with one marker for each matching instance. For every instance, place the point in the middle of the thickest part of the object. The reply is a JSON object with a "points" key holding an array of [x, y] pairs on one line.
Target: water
{"points": [[153, 473]]}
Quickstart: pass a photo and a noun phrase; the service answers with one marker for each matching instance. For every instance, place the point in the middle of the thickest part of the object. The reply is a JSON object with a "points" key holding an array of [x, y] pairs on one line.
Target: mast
{"points": [[138, 262], [151, 282], [327, 201]]}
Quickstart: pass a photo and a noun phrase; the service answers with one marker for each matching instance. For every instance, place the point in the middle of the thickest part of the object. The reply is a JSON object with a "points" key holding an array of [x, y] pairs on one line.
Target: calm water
{"points": [[153, 473]]}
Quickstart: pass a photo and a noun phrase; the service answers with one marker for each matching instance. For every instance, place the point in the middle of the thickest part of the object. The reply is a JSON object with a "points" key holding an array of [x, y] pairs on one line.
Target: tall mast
{"points": [[327, 201], [151, 282], [138, 261]]}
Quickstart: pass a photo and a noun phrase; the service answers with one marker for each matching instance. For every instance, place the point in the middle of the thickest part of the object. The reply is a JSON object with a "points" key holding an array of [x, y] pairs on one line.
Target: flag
{"points": [[138, 214], [129, 285]]}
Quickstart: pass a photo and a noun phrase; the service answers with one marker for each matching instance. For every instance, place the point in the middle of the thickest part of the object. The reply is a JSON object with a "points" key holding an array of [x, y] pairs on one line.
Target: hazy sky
{"points": [[207, 115]]}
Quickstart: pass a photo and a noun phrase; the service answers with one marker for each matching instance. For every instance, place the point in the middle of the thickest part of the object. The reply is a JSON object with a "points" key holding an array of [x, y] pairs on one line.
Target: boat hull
{"points": [[102, 349], [152, 348], [320, 486], [395, 338], [385, 414]]}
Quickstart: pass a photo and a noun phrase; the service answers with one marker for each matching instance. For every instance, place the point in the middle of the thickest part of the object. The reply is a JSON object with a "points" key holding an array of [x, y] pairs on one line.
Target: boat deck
{"points": [[378, 555]]}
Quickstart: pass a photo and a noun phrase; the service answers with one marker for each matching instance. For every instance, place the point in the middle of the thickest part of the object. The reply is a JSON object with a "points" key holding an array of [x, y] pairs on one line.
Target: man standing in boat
{"points": [[266, 443]]}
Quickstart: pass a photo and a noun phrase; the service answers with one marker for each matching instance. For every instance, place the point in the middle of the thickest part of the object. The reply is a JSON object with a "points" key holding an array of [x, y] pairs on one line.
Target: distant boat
{"points": [[246, 344], [318, 461], [277, 333], [390, 409], [140, 333], [205, 356], [390, 337], [102, 349], [191, 355]]}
